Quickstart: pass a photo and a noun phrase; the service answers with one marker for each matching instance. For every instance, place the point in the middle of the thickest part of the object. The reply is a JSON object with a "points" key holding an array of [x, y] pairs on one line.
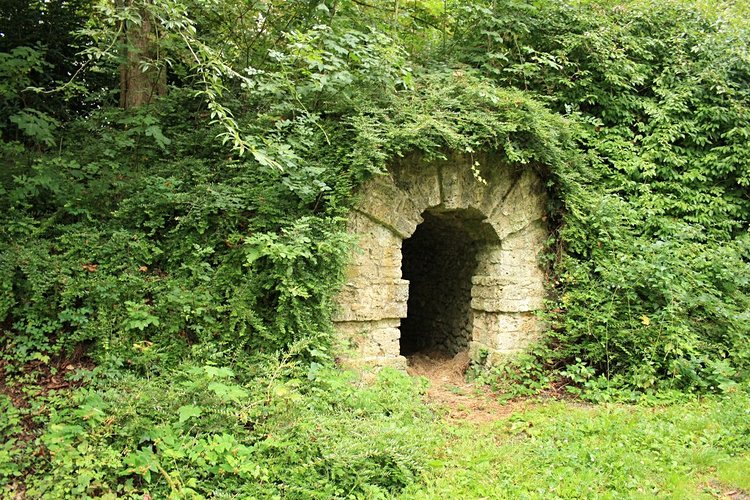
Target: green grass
{"points": [[201, 431], [566, 450]]}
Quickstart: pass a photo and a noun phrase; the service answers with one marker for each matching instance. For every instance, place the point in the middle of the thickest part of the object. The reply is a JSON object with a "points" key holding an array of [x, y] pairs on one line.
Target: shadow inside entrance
{"points": [[439, 260]]}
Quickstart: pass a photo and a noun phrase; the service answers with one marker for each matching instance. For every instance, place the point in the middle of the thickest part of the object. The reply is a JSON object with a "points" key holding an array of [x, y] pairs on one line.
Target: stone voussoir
{"points": [[386, 204], [421, 182]]}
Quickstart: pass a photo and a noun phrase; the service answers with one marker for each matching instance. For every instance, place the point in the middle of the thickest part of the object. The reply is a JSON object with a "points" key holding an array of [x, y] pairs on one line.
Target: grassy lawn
{"points": [[204, 432], [569, 450]]}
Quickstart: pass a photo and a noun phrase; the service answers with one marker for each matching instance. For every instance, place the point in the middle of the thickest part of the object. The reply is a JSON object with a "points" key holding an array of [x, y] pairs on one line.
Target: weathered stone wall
{"points": [[492, 294]]}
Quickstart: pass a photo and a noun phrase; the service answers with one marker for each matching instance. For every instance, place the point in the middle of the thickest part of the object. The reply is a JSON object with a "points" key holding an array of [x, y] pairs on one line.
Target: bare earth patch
{"points": [[449, 389], [724, 492]]}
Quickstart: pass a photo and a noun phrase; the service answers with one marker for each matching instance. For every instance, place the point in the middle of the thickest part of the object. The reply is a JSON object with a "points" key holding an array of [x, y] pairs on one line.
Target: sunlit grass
{"points": [[566, 450]]}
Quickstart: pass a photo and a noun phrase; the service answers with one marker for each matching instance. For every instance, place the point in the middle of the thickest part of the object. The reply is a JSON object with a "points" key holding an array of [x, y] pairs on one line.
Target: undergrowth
{"points": [[268, 428], [189, 250]]}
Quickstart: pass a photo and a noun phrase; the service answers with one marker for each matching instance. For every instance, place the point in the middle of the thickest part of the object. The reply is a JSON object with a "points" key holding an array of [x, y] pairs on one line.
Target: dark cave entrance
{"points": [[439, 260]]}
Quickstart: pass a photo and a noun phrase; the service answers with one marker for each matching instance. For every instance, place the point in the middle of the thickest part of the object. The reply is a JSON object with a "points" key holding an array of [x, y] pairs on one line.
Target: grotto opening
{"points": [[439, 261], [446, 259]]}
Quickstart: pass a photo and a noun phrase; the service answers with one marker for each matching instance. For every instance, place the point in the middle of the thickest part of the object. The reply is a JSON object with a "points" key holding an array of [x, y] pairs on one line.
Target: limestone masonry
{"points": [[446, 260]]}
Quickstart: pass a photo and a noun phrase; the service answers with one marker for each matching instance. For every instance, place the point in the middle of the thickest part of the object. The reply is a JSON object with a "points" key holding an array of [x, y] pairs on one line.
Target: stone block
{"points": [[460, 188], [511, 265], [419, 179], [508, 292], [370, 300], [530, 240], [505, 331], [524, 204], [369, 338], [500, 180], [389, 206], [523, 304]]}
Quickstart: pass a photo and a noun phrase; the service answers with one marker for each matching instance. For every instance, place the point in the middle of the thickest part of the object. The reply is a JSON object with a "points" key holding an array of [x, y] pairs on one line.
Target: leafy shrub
{"points": [[181, 251], [652, 274], [209, 430]]}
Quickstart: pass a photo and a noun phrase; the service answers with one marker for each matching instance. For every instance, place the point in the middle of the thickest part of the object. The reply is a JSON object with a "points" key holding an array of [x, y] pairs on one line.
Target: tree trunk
{"points": [[142, 77]]}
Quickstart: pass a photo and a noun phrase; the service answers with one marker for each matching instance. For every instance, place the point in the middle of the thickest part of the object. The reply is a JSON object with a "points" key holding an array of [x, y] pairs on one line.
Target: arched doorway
{"points": [[446, 258], [439, 261]]}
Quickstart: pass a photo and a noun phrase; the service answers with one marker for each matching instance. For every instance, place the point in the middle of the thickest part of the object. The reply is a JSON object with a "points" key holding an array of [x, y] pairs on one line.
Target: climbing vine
{"points": [[636, 113], [186, 252]]}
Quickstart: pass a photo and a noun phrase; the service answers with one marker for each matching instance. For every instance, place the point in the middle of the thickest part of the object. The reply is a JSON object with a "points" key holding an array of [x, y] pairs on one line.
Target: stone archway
{"points": [[474, 240]]}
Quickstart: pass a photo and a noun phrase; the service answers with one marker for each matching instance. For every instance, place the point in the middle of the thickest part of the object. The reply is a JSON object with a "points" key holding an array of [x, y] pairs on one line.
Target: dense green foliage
{"points": [[653, 258], [191, 248], [210, 431]]}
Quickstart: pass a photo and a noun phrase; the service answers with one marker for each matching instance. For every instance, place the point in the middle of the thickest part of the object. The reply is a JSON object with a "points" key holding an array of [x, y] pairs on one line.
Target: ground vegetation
{"points": [[168, 265]]}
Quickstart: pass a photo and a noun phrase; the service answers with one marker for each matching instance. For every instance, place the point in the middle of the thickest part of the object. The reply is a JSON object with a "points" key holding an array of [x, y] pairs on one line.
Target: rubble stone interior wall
{"points": [[439, 260], [468, 244]]}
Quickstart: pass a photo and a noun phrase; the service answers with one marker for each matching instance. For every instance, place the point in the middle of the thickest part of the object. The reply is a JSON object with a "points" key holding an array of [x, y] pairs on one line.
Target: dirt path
{"points": [[448, 388]]}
